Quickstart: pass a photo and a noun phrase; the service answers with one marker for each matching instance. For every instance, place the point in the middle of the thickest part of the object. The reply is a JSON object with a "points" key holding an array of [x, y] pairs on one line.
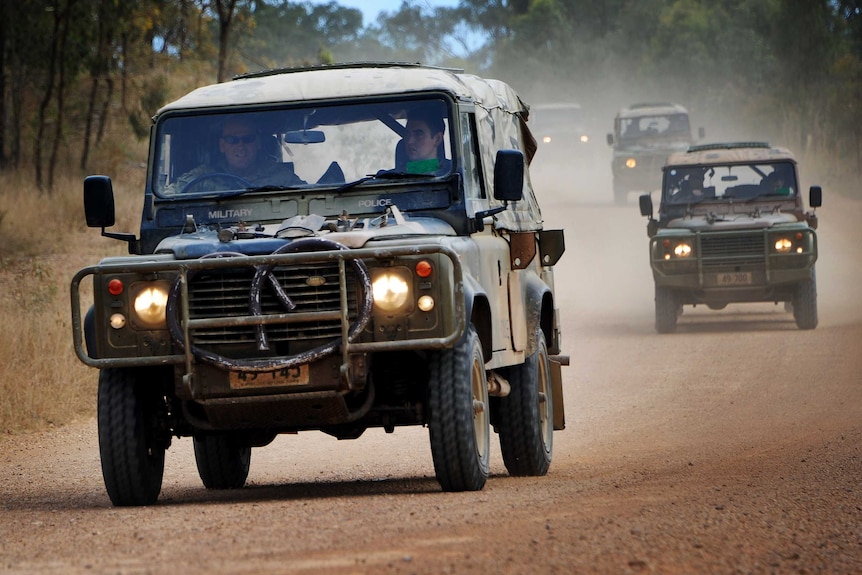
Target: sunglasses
{"points": [[234, 140]]}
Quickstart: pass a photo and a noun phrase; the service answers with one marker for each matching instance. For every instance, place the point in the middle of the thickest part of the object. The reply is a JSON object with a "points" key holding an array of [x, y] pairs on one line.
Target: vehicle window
{"points": [[671, 125], [472, 169], [301, 147], [729, 182]]}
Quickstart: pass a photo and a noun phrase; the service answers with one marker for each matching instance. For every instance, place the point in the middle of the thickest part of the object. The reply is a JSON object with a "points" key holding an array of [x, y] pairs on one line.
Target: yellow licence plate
{"points": [[734, 279], [282, 377]]}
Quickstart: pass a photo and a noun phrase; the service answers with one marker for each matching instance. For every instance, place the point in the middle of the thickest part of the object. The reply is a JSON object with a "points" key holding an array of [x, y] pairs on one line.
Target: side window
{"points": [[474, 188]]}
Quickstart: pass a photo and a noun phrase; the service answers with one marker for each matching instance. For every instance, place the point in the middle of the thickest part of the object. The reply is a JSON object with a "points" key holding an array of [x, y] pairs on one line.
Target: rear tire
{"points": [[132, 443], [458, 420], [525, 418], [666, 310], [223, 462], [805, 304]]}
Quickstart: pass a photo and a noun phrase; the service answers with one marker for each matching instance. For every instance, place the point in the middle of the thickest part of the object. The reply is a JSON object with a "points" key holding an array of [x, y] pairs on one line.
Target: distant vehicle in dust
{"points": [[644, 135], [567, 145], [732, 227]]}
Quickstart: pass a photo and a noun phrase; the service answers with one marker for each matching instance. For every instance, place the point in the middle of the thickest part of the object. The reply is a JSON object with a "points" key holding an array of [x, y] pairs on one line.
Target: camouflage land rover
{"points": [[644, 135], [732, 227], [331, 248]]}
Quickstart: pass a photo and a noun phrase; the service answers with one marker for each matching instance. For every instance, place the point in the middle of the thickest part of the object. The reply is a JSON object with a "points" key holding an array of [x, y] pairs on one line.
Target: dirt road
{"points": [[732, 446]]}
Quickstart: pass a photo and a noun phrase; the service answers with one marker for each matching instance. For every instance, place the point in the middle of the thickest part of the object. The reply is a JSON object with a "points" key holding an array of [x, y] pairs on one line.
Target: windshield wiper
{"points": [[380, 175], [267, 188]]}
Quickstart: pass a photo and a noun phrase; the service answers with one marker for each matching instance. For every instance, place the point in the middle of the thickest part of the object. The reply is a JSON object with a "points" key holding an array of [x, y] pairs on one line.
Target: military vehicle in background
{"points": [[732, 227], [643, 137]]}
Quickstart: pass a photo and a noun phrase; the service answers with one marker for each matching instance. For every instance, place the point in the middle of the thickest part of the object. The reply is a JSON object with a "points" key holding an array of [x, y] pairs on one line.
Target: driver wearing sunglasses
{"points": [[240, 145]]}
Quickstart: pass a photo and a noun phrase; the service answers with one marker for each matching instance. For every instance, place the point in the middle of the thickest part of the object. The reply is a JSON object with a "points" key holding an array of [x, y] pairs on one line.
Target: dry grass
{"points": [[43, 242]]}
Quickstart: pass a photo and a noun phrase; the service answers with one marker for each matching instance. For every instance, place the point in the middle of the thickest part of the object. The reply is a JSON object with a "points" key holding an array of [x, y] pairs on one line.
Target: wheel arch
{"points": [[539, 306], [477, 310]]}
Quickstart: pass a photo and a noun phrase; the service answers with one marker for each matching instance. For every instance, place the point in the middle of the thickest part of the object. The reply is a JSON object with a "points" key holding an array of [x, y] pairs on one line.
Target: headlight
{"points": [[783, 245], [585, 139], [674, 249], [682, 250], [391, 289], [631, 163], [150, 301]]}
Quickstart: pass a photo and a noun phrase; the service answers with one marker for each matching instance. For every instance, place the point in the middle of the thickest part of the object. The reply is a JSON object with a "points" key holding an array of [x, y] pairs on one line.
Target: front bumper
{"points": [[158, 347], [733, 266]]}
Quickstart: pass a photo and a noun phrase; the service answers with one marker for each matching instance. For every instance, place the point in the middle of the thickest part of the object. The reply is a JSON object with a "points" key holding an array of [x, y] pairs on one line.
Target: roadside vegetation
{"points": [[780, 70]]}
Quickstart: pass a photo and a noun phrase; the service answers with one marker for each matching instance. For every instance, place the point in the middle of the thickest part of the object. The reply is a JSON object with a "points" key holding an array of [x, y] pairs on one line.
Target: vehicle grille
{"points": [[733, 252], [226, 293]]}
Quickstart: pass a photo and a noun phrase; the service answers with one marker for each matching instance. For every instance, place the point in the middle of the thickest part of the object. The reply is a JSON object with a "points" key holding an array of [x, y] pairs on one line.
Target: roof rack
{"points": [[728, 146], [652, 105], [343, 66]]}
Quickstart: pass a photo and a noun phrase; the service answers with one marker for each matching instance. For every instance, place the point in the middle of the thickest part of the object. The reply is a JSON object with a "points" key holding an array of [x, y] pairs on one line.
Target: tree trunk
{"points": [[225, 10], [61, 93], [5, 18], [46, 99]]}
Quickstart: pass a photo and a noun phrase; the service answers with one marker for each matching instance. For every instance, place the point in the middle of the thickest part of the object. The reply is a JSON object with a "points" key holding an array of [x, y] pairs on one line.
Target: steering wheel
{"points": [[204, 177]]}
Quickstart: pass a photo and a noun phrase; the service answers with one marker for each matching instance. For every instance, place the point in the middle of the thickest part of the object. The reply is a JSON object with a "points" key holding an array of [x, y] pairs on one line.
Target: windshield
{"points": [[301, 147], [669, 126], [730, 182]]}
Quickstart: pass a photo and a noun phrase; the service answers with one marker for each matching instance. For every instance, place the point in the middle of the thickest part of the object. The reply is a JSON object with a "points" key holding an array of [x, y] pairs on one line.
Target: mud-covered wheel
{"points": [[223, 461], [525, 417], [458, 420], [132, 439], [805, 304], [666, 310]]}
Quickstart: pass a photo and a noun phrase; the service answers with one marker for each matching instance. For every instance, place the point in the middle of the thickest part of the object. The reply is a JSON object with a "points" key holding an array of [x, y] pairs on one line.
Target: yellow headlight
{"points": [[631, 163], [783, 245], [682, 250], [391, 290], [150, 303]]}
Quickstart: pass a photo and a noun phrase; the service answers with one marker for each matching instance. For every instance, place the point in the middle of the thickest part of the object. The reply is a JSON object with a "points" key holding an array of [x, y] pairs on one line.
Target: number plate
{"points": [[282, 377], [734, 279]]}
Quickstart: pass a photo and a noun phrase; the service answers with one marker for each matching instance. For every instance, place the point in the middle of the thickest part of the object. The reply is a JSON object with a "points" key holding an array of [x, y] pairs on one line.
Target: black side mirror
{"points": [[509, 176], [610, 139], [508, 183], [99, 201], [815, 196], [645, 202]]}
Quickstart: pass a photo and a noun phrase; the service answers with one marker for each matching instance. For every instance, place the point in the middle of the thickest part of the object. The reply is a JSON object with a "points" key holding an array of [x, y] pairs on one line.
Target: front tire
{"points": [[223, 461], [666, 310], [805, 304], [132, 441], [525, 418], [458, 421]]}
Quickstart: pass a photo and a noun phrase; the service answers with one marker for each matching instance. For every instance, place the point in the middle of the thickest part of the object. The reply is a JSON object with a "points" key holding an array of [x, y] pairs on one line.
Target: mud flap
{"points": [[557, 362]]}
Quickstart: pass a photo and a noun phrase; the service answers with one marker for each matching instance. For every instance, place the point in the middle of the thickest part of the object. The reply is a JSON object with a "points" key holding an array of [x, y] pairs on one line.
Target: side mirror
{"points": [[701, 133], [509, 176], [610, 139], [508, 183], [815, 196], [99, 201], [645, 202]]}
